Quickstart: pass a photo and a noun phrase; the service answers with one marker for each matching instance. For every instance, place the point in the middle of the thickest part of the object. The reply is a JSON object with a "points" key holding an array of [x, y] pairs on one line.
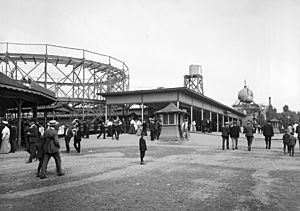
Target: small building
{"points": [[172, 117]]}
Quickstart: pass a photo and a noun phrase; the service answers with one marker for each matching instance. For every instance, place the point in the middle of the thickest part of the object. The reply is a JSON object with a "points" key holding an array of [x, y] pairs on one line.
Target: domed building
{"points": [[246, 105]]}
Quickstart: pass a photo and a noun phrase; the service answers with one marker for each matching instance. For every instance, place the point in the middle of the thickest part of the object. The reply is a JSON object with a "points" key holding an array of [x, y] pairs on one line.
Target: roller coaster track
{"points": [[74, 75]]}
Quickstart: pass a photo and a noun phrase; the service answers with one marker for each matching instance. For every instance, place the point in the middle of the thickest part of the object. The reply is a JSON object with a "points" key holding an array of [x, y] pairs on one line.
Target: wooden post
{"points": [[19, 103]]}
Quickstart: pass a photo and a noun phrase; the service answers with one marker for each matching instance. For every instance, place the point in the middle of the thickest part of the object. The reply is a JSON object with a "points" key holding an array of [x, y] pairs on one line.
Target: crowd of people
{"points": [[138, 127], [233, 131], [43, 143]]}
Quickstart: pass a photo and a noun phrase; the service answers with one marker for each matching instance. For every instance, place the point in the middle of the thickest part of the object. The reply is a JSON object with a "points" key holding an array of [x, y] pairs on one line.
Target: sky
{"points": [[257, 41]]}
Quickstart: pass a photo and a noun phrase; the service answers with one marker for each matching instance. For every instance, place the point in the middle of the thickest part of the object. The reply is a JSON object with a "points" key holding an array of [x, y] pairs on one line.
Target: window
{"points": [[171, 119], [165, 119]]}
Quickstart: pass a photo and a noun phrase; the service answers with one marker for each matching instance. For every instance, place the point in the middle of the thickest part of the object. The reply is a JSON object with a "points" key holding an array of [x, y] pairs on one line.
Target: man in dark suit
{"points": [[33, 139], [68, 136], [234, 134], [51, 149], [268, 132], [143, 148]]}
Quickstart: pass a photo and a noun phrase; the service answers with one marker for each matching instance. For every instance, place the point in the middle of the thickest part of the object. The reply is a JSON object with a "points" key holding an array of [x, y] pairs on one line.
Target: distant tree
{"points": [[285, 108]]}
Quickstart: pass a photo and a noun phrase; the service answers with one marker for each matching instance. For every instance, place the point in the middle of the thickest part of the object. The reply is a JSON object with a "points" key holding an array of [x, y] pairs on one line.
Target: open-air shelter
{"points": [[198, 106], [13, 94]]}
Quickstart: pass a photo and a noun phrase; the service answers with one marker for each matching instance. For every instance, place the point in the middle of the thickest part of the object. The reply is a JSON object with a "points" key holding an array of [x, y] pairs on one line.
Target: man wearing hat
{"points": [[234, 134], [51, 149], [5, 145], [34, 138], [225, 135]]}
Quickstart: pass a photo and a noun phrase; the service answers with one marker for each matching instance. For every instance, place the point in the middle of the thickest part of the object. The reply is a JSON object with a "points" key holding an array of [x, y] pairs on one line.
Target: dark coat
{"points": [[51, 143], [225, 131], [142, 144], [298, 131], [268, 130], [286, 138], [77, 136], [33, 134], [292, 140], [234, 131], [69, 132], [249, 131]]}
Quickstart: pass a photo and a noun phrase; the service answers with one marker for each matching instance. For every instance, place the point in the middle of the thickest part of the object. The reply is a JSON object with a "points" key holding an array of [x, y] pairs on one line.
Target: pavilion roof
{"points": [[171, 108]]}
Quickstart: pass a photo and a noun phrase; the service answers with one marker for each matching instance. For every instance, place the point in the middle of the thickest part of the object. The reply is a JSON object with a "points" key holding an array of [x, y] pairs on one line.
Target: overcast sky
{"points": [[233, 40]]}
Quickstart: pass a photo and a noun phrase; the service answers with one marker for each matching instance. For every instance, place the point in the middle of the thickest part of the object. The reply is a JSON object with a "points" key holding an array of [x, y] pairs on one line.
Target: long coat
{"points": [[33, 134], [268, 130], [142, 144], [249, 131], [51, 143], [234, 131]]}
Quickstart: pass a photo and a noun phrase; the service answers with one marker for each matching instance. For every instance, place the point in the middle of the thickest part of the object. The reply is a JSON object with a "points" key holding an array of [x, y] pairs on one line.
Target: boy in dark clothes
{"points": [[286, 141], [292, 144], [143, 148]]}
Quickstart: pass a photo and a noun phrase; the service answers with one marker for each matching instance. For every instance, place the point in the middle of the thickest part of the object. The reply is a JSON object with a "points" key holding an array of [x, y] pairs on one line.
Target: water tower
{"points": [[194, 80]]}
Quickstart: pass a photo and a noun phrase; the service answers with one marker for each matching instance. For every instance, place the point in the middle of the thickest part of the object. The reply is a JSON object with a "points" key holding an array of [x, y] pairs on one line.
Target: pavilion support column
{"points": [[19, 103], [217, 122], [34, 111], [142, 112], [191, 128], [105, 113], [45, 118], [223, 120]]}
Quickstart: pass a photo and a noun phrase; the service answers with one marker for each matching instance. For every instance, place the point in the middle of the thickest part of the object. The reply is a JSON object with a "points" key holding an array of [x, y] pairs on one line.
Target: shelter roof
{"points": [[11, 90], [274, 120], [171, 108], [184, 90]]}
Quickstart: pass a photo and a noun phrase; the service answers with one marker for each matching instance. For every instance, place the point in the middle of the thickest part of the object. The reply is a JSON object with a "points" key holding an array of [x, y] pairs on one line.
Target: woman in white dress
{"points": [[5, 145]]}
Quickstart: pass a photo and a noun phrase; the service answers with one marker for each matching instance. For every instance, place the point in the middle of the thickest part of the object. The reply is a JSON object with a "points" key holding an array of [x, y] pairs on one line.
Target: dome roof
{"points": [[245, 95]]}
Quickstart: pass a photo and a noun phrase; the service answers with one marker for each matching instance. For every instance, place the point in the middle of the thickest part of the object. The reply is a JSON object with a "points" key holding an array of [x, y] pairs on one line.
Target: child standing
{"points": [[143, 148], [286, 141], [292, 144]]}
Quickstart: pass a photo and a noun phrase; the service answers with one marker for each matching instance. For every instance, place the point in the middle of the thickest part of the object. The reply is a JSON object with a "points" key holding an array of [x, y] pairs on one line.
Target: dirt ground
{"points": [[193, 175]]}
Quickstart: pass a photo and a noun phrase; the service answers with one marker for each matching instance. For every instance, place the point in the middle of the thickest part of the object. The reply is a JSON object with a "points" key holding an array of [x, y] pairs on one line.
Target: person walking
{"points": [[143, 148], [68, 136], [152, 129], [249, 134], [225, 135], [298, 132], [77, 137], [144, 130], [184, 129], [33, 139], [51, 149], [102, 130], [268, 132], [157, 129], [234, 134], [292, 144], [5, 145], [286, 142], [118, 124], [13, 137]]}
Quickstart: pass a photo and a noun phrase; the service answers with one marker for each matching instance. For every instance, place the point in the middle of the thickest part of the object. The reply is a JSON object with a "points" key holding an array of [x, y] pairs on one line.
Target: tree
{"points": [[285, 108]]}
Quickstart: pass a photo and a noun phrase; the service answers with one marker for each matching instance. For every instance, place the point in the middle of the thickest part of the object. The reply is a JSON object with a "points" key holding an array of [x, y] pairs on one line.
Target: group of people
{"points": [[233, 131], [42, 144], [112, 128]]}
